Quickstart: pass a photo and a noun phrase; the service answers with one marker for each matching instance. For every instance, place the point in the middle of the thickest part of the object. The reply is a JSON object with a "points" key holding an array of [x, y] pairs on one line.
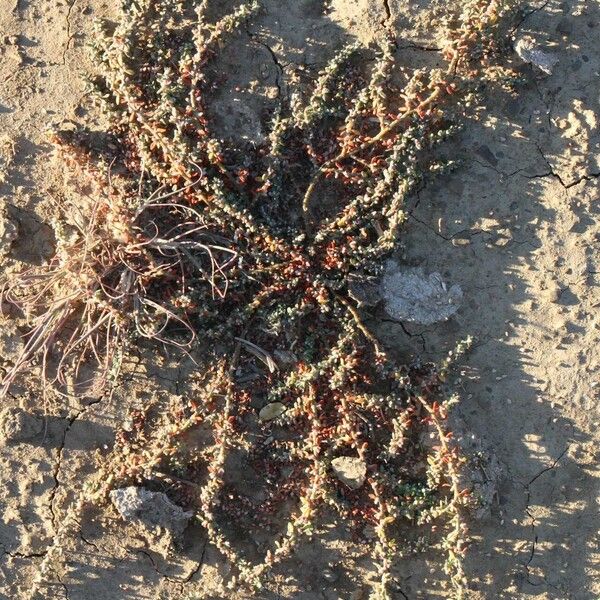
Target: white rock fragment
{"points": [[461, 241], [350, 470], [161, 521], [412, 296], [529, 51], [271, 411]]}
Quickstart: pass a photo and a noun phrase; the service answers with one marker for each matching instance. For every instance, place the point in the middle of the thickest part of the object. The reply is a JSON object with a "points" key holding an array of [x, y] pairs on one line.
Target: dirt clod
{"points": [[18, 425], [529, 51], [8, 231]]}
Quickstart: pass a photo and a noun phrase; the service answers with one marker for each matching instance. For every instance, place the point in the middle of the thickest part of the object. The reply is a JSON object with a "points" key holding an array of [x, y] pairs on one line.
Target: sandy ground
{"points": [[516, 226]]}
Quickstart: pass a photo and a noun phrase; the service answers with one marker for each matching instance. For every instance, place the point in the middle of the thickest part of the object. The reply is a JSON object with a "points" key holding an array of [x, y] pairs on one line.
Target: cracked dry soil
{"points": [[516, 226]]}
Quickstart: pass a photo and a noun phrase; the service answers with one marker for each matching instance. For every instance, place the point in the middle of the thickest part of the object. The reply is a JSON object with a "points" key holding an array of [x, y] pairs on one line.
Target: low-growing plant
{"points": [[179, 236]]}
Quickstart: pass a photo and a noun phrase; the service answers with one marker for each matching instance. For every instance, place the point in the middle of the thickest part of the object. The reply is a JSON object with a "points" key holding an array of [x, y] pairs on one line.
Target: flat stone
{"points": [[411, 295], [461, 241], [529, 51], [350, 470], [271, 411], [364, 293], [161, 521]]}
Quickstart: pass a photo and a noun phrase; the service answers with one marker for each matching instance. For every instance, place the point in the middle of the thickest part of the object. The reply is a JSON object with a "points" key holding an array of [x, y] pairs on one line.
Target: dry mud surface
{"points": [[516, 226]]}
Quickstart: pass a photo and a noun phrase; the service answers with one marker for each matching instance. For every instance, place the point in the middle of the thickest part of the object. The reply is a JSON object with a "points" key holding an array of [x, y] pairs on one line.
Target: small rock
{"points": [[271, 411], [529, 51], [350, 470], [161, 521], [412, 296], [329, 575], [461, 241], [17, 425]]}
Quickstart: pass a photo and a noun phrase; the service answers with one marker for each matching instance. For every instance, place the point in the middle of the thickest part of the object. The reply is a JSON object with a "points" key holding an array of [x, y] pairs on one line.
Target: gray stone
{"points": [[529, 51], [364, 293], [161, 521], [350, 470], [412, 296], [271, 411]]}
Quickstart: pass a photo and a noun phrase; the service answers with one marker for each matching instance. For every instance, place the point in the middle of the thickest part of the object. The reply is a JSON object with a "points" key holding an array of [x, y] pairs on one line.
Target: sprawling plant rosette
{"points": [[258, 250]]}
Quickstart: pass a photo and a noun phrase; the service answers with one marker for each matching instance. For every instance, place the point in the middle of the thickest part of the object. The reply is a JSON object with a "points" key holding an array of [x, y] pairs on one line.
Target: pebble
{"points": [[350, 470], [271, 411], [529, 51], [160, 520], [461, 241]]}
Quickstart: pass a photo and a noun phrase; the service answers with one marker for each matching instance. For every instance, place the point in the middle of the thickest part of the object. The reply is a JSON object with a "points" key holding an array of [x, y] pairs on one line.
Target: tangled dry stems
{"points": [[178, 236]]}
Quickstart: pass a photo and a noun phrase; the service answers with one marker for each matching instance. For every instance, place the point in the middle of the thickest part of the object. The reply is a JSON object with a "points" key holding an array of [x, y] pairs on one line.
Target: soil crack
{"points": [[70, 35], [527, 15], [388, 12], [532, 516], [59, 458], [552, 173], [278, 65], [24, 555], [413, 46], [174, 579]]}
